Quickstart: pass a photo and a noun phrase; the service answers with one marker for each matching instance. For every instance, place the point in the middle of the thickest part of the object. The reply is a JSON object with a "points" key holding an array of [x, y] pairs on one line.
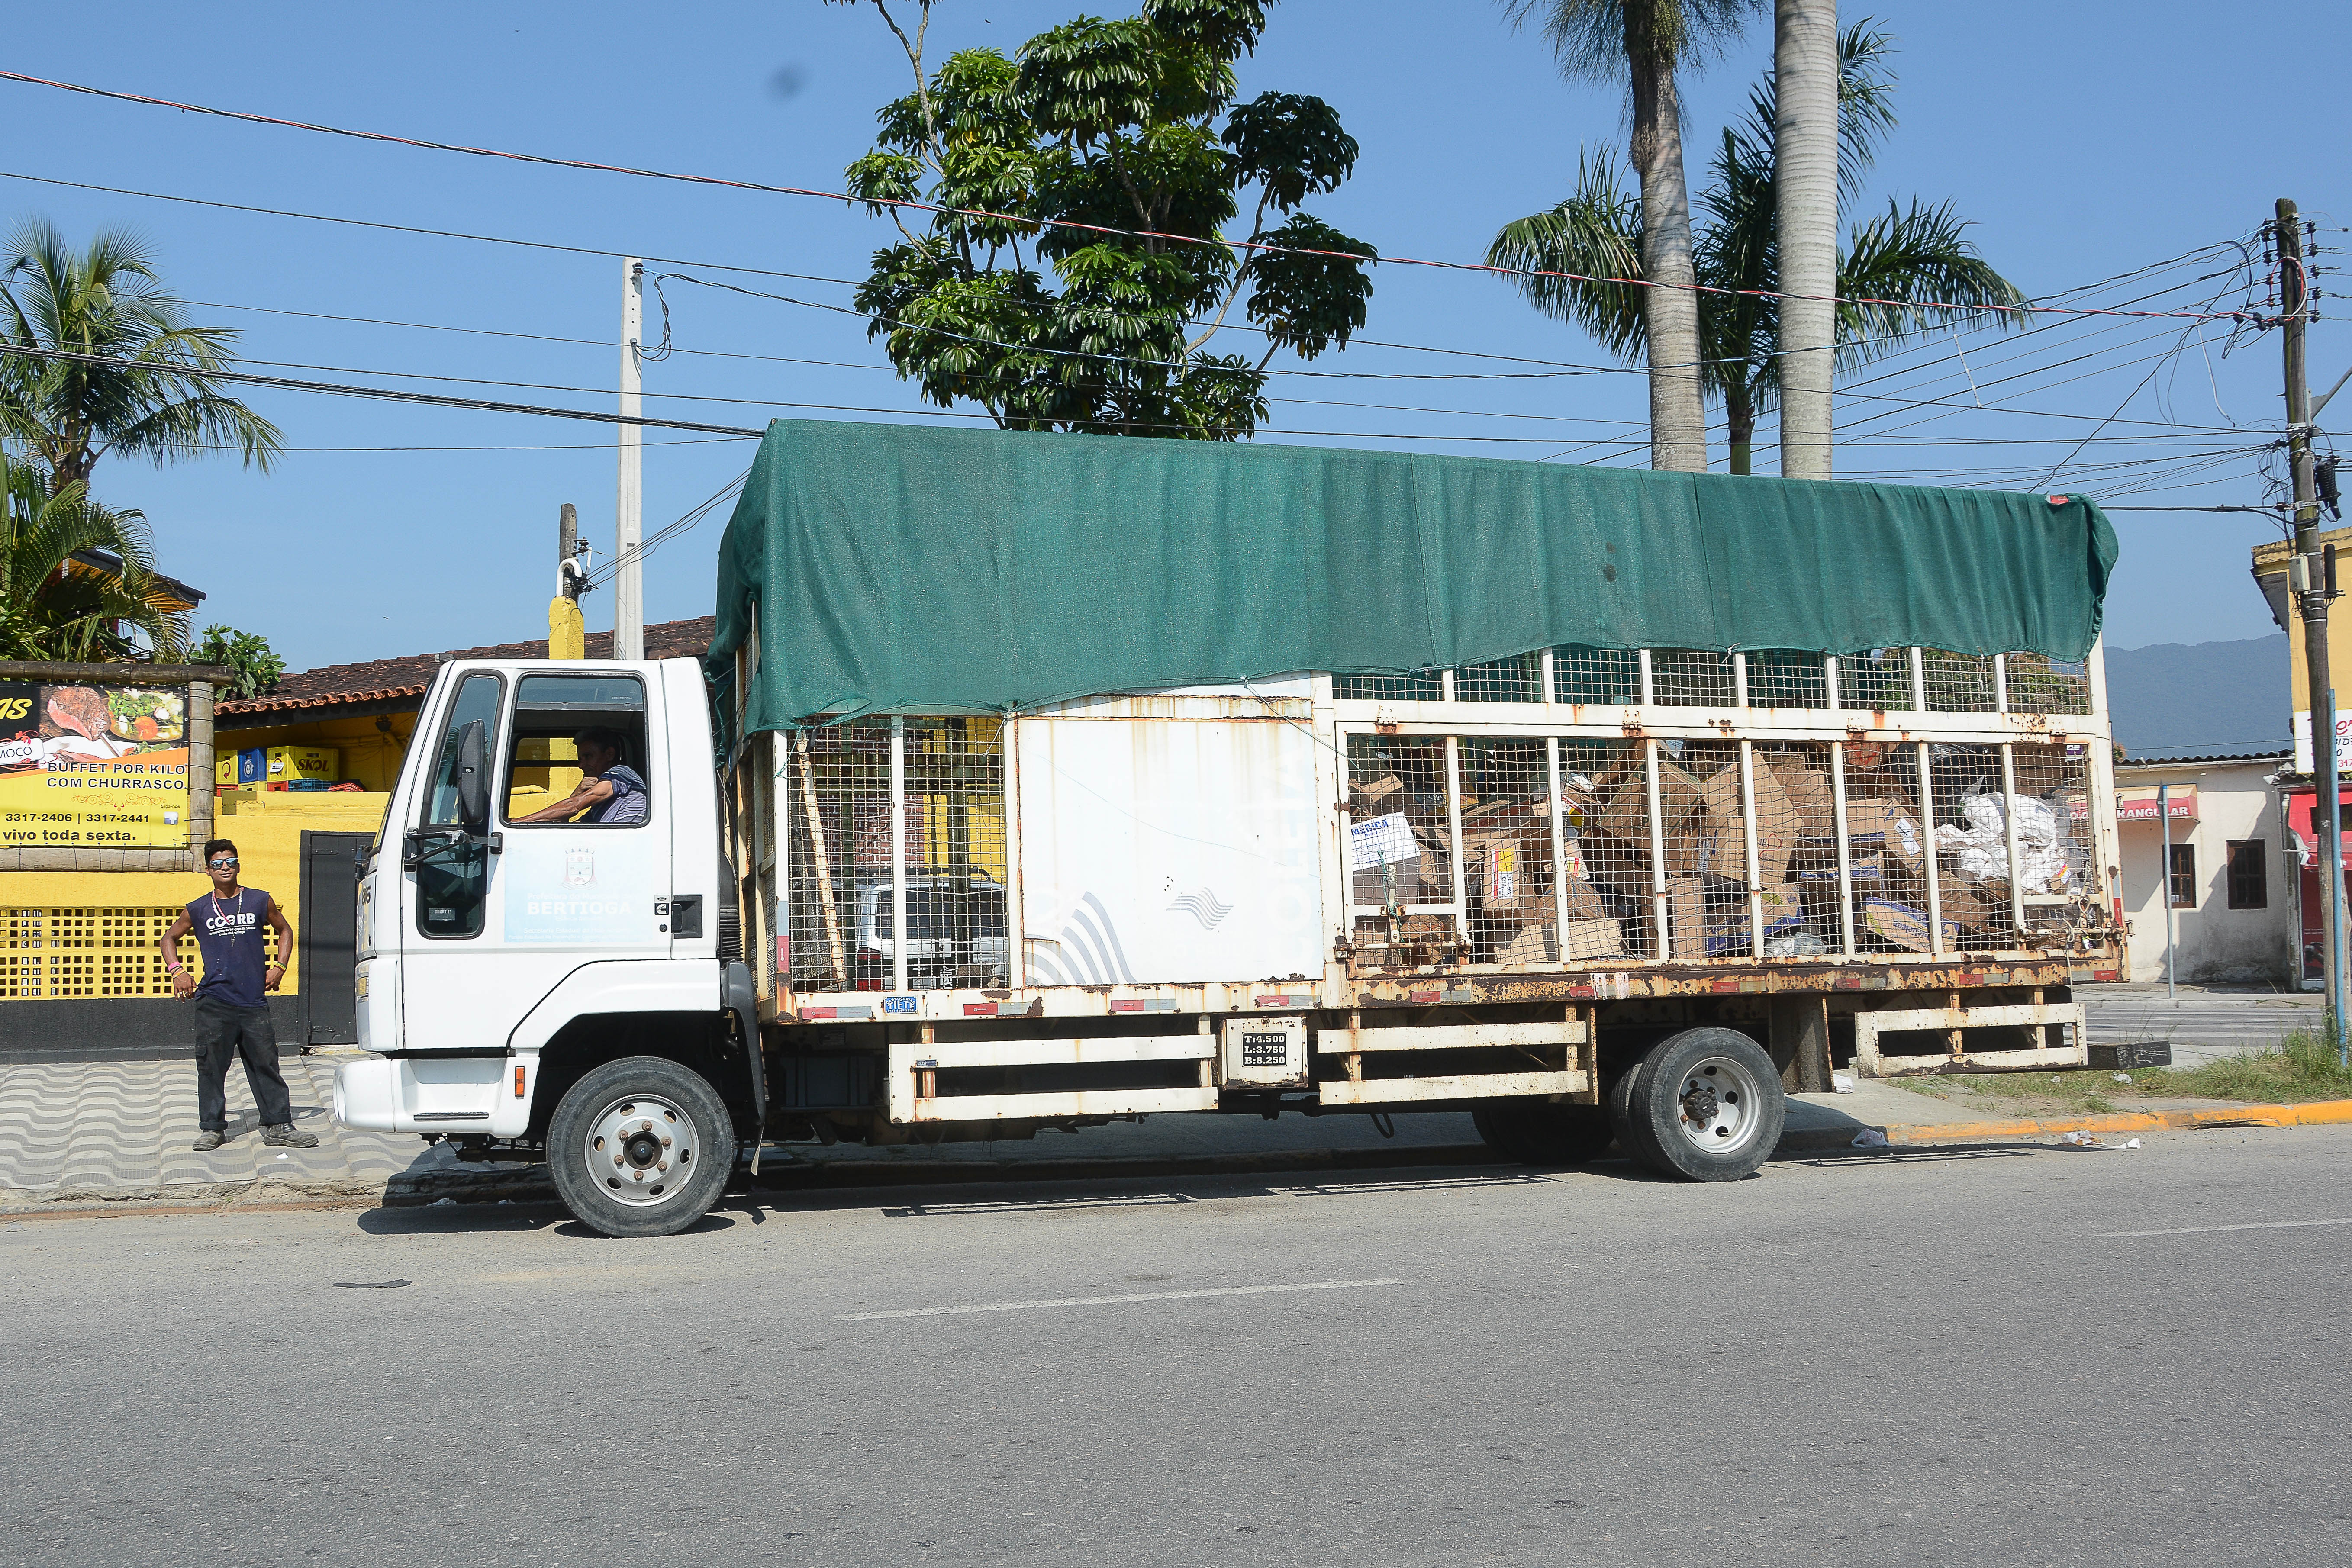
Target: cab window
{"points": [[577, 757]]}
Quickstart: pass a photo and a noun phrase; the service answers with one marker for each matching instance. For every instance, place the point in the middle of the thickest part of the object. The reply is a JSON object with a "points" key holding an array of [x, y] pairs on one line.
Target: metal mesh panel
{"points": [[1796, 848], [2040, 684], [1971, 844], [1880, 679], [1611, 675], [1959, 682], [957, 934], [1507, 860], [1887, 845], [1516, 679], [1691, 678], [2054, 826], [839, 854], [1425, 687], [1706, 877], [1787, 677], [1390, 774], [845, 922], [1605, 872]]}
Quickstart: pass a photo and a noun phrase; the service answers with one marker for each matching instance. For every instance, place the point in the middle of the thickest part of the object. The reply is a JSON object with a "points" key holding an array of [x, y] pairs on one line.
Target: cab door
{"points": [[501, 909]]}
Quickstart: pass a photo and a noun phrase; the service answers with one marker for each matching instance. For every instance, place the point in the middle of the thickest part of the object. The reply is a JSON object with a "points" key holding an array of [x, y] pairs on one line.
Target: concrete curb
{"points": [[2314, 1113]]}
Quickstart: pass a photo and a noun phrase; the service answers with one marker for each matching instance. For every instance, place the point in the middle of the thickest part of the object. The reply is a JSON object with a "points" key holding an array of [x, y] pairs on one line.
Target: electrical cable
{"points": [[877, 203]]}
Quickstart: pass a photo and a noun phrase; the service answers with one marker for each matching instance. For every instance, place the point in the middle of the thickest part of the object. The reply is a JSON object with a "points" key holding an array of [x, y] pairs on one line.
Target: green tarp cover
{"points": [[895, 569]]}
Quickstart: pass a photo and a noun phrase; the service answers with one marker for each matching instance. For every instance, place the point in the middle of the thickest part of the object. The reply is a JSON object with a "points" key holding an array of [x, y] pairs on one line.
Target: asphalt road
{"points": [[1911, 1358]]}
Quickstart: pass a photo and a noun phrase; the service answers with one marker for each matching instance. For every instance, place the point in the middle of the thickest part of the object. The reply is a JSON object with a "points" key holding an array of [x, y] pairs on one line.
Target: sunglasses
{"points": [[226, 862]]}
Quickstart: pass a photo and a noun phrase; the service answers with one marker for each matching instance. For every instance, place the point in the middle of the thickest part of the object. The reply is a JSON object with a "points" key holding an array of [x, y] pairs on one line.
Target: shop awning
{"points": [[2299, 803]]}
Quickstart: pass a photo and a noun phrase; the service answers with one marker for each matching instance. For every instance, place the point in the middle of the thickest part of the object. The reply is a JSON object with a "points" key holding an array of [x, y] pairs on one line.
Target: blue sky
{"points": [[2086, 139]]}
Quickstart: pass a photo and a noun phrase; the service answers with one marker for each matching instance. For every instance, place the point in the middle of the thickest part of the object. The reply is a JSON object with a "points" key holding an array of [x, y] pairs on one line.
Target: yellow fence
{"points": [[54, 953]]}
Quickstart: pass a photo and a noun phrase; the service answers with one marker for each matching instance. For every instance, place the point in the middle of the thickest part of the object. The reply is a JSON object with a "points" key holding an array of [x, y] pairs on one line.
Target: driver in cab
{"points": [[610, 791]]}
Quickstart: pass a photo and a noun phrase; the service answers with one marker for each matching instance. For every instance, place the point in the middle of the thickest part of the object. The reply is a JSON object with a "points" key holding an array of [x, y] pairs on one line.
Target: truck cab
{"points": [[502, 960]]}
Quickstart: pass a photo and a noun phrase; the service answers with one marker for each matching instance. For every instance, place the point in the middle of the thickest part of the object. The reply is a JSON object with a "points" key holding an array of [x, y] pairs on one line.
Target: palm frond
{"points": [[1588, 37], [1901, 262], [1596, 234]]}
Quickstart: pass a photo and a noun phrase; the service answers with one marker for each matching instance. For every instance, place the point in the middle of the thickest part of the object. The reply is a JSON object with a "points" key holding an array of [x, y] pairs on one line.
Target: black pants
{"points": [[224, 1032]]}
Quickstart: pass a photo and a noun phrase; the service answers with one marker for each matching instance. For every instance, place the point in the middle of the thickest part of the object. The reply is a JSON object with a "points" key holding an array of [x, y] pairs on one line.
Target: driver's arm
{"points": [[590, 792]]}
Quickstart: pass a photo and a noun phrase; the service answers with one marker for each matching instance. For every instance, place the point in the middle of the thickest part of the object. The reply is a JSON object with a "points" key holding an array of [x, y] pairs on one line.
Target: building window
{"points": [[2249, 874], [2184, 876]]}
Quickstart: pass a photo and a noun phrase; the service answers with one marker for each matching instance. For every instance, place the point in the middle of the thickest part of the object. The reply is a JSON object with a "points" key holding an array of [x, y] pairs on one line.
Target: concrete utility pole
{"points": [[1805, 191], [2307, 578], [567, 635], [628, 571]]}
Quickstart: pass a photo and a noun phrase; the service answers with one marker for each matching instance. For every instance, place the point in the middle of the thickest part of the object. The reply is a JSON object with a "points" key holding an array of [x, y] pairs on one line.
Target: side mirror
{"points": [[473, 775]]}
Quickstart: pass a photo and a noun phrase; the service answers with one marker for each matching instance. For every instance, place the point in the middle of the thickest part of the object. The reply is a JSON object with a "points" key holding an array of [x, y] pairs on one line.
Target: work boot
{"points": [[282, 1135], [208, 1140]]}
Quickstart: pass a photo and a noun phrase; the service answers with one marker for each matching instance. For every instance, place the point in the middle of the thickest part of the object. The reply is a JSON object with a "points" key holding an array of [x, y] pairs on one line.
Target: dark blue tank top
{"points": [[229, 933]]}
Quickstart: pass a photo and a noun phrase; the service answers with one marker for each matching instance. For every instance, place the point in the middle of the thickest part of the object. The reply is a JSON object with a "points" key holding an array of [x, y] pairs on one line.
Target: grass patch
{"points": [[2299, 1068]]}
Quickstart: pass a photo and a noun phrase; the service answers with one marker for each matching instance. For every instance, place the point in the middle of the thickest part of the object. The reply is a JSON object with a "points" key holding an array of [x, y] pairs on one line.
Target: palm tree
{"points": [[1645, 43], [1805, 169], [107, 300], [76, 579], [1904, 257]]}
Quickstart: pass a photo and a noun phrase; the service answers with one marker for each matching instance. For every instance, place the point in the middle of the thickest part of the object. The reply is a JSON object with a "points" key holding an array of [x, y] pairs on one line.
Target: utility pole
{"points": [[1805, 193], [628, 571], [567, 635], [2307, 577]]}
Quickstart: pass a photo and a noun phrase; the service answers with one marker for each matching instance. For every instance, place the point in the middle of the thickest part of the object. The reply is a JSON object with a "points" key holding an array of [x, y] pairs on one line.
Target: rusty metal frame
{"points": [[1870, 1023]]}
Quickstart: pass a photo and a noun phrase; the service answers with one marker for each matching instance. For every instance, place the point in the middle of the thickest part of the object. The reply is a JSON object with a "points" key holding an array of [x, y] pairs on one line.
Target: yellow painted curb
{"points": [[2315, 1113]]}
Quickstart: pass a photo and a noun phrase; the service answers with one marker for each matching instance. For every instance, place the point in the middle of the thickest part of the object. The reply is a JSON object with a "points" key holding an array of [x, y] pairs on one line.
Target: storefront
{"points": [[112, 778], [2311, 913]]}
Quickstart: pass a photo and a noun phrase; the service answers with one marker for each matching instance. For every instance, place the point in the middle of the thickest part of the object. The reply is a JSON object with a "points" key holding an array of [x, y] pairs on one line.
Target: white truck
{"points": [[1588, 893]]}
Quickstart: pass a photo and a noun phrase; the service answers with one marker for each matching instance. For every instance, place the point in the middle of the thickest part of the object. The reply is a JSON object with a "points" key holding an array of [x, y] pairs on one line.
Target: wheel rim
{"points": [[1719, 1106], [640, 1151]]}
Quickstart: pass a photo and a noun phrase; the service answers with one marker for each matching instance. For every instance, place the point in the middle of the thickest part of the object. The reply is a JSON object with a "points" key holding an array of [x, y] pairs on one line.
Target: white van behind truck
{"points": [[1593, 894]]}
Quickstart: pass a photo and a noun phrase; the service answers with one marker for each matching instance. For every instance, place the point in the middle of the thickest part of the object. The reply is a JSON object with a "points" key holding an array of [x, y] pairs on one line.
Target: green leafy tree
{"points": [[253, 668], [59, 597], [1646, 44], [108, 301], [1126, 125], [1902, 256]]}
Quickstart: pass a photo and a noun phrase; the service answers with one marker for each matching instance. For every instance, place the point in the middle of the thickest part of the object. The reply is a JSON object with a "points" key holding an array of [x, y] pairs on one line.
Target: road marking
{"points": [[1113, 1301], [2206, 1229]]}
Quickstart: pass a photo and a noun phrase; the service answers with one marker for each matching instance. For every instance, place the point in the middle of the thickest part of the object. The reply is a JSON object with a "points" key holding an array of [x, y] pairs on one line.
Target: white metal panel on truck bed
{"points": [[1170, 838]]}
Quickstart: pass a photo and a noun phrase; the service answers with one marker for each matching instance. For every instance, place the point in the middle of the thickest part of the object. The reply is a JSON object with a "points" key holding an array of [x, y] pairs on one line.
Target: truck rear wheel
{"points": [[1543, 1132], [1704, 1105], [642, 1146]]}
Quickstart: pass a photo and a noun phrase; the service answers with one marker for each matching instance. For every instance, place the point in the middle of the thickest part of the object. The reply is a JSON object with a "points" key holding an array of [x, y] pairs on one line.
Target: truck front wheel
{"points": [[1704, 1105], [642, 1146]]}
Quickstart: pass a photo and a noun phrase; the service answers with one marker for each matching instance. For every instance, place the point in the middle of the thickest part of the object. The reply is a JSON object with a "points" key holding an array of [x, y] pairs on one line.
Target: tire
{"points": [[1703, 1106], [1544, 1132], [653, 1124]]}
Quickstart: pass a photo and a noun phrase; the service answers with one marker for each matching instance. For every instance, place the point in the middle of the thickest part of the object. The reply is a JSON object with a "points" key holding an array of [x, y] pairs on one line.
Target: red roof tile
{"points": [[387, 679]]}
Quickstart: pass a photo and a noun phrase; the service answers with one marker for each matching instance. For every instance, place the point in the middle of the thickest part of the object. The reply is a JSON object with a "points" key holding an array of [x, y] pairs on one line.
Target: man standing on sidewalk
{"points": [[232, 1015]]}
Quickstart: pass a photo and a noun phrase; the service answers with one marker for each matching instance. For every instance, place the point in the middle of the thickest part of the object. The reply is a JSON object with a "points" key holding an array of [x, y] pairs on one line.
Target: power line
{"points": [[1258, 246]]}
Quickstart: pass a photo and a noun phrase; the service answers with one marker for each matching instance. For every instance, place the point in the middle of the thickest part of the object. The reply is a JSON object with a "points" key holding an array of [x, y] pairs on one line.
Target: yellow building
{"points": [[81, 972]]}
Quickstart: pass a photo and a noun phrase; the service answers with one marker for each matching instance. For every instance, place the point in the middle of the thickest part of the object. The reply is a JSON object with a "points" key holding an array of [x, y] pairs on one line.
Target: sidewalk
{"points": [[2200, 1022], [94, 1135]]}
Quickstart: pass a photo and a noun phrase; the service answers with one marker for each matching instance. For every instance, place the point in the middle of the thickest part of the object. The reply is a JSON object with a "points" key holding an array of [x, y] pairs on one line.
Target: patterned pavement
{"points": [[121, 1131]]}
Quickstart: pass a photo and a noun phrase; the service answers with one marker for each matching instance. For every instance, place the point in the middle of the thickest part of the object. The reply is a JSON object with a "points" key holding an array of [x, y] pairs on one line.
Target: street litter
{"points": [[2090, 1141], [1871, 1138], [1841, 1082], [2123, 1078]]}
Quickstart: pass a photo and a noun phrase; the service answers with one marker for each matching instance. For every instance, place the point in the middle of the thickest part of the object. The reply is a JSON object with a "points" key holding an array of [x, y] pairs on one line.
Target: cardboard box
{"points": [[1878, 822], [1687, 917], [1380, 788], [1595, 939], [1906, 927], [1496, 861], [1808, 791], [1534, 944], [1626, 816], [284, 764], [1866, 865]]}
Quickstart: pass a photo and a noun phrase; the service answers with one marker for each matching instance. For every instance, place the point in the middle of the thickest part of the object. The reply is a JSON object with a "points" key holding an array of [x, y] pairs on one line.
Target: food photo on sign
{"points": [[88, 764]]}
